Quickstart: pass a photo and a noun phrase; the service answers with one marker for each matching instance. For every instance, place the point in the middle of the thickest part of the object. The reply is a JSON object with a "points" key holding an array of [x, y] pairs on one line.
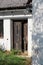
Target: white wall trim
{"points": [[30, 27], [15, 16]]}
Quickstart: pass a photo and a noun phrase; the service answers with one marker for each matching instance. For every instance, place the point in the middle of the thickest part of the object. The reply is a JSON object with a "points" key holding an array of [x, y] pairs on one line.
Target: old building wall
{"points": [[6, 41], [37, 36]]}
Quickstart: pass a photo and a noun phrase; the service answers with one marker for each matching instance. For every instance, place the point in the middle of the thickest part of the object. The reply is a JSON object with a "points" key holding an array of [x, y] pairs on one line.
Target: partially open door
{"points": [[24, 35]]}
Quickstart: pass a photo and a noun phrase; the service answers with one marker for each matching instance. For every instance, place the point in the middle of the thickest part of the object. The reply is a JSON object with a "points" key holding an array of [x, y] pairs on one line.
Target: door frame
{"points": [[22, 21], [30, 27]]}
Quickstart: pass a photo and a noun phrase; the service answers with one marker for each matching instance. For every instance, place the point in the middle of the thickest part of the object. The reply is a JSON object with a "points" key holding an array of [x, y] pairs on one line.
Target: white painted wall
{"points": [[30, 26], [5, 42], [7, 33]]}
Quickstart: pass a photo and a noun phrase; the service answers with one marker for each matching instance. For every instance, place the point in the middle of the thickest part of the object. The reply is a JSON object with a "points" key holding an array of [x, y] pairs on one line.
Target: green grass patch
{"points": [[11, 59]]}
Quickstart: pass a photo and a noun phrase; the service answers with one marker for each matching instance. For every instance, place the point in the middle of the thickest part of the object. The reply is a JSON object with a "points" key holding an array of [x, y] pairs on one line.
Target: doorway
{"points": [[20, 35]]}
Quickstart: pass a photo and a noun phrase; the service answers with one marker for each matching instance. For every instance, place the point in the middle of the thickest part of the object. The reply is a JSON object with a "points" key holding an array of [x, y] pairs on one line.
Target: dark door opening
{"points": [[22, 38]]}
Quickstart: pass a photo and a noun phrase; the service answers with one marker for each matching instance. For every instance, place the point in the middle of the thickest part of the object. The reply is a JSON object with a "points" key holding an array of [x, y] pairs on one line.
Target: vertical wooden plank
{"points": [[25, 36]]}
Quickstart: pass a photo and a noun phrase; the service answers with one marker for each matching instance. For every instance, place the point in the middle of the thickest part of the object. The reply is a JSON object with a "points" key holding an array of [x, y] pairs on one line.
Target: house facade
{"points": [[16, 25]]}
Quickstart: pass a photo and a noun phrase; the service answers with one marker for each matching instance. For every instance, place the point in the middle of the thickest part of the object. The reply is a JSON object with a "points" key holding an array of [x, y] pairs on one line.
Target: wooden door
{"points": [[17, 35]]}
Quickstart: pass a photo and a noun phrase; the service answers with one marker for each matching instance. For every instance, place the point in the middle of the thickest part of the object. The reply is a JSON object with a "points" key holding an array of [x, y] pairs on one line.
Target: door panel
{"points": [[17, 35], [25, 36]]}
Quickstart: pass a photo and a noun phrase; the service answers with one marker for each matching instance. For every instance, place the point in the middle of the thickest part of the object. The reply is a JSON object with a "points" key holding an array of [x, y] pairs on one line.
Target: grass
{"points": [[9, 58]]}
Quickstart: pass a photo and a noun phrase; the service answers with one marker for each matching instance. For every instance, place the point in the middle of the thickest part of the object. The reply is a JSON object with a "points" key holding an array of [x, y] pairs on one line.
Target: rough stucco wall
{"points": [[37, 36]]}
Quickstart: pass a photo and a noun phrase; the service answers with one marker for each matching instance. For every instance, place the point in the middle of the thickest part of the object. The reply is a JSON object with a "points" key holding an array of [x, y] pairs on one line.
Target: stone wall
{"points": [[37, 36]]}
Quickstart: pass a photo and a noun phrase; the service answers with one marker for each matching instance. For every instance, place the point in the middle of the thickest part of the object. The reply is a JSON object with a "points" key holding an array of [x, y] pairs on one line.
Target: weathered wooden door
{"points": [[17, 35], [20, 35]]}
